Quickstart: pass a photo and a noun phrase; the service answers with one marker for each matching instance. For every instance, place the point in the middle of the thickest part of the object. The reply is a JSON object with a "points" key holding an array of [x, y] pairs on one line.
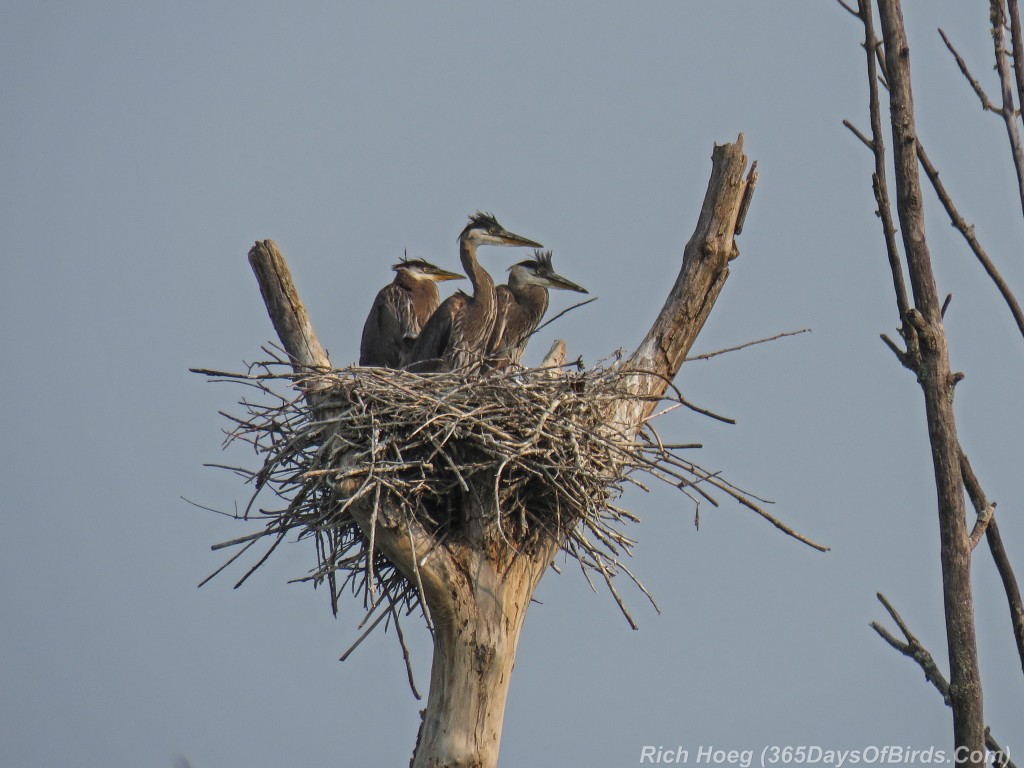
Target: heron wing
{"points": [[391, 321], [435, 337], [505, 305]]}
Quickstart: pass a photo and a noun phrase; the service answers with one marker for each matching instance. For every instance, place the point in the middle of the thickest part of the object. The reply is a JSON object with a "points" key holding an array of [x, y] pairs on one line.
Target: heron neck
{"points": [[532, 299], [422, 293], [483, 284]]}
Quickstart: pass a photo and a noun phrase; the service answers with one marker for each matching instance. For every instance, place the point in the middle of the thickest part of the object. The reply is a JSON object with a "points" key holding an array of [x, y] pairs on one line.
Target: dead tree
{"points": [[925, 352], [454, 496]]}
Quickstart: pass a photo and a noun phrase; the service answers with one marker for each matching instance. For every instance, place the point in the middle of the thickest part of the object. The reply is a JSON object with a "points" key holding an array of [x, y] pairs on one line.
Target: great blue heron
{"points": [[457, 334], [521, 305], [399, 313]]}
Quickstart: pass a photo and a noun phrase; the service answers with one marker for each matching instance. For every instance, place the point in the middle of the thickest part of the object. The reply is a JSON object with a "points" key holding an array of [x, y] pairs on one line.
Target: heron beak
{"points": [[557, 281], [510, 238], [441, 275]]}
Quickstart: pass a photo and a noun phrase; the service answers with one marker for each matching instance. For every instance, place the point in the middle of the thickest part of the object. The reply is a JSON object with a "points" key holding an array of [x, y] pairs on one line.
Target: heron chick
{"points": [[457, 335], [399, 312], [521, 306]]}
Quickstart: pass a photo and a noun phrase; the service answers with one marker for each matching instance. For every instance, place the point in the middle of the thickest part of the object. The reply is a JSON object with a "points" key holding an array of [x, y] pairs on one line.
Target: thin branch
{"points": [[852, 11], [995, 544], [986, 103], [549, 321], [967, 230], [873, 50], [746, 502], [912, 648], [856, 132], [405, 653], [1013, 597], [709, 355]]}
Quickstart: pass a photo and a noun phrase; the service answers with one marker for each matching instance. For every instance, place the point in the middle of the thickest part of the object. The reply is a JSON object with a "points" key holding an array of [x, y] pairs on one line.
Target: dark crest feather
{"points": [[540, 263], [405, 263], [481, 220]]}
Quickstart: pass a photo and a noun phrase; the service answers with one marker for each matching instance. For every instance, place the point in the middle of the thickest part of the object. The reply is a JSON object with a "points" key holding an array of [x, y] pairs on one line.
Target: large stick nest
{"points": [[538, 444]]}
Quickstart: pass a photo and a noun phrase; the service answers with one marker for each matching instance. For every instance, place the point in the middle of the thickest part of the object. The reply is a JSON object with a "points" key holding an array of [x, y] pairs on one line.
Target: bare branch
{"points": [[784, 334], [567, 309], [701, 278], [856, 132], [873, 50], [902, 356], [1013, 597], [1006, 88], [849, 9], [967, 231], [913, 649], [995, 544], [986, 104]]}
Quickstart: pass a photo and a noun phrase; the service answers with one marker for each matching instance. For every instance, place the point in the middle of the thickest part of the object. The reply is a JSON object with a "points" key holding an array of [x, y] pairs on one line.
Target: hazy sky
{"points": [[145, 146]]}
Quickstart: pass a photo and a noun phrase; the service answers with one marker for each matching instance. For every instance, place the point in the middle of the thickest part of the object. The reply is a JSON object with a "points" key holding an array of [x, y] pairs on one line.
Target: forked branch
{"points": [[912, 648]]}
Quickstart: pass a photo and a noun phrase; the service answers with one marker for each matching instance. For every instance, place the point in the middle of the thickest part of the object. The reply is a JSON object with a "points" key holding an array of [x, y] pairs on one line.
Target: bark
{"points": [[937, 383], [476, 592]]}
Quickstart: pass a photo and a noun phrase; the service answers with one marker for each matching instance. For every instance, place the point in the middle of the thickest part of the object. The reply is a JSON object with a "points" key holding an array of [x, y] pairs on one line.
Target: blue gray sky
{"points": [[144, 146]]}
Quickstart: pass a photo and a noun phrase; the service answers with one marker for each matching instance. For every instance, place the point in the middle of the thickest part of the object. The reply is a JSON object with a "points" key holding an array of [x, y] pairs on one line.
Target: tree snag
{"points": [[474, 573]]}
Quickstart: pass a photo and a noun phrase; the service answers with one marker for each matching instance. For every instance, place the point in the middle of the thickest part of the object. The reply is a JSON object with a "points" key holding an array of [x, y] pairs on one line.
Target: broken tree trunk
{"points": [[476, 590]]}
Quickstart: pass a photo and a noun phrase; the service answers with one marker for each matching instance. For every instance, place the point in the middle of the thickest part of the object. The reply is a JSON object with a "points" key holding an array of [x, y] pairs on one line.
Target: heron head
{"points": [[539, 271], [418, 269], [484, 229]]}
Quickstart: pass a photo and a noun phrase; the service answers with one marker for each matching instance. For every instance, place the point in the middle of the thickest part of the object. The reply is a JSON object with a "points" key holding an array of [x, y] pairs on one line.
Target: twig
{"points": [[850, 10], [1013, 597], [995, 543], [986, 103], [709, 355], [967, 230], [864, 139], [405, 654], [913, 649], [564, 311]]}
